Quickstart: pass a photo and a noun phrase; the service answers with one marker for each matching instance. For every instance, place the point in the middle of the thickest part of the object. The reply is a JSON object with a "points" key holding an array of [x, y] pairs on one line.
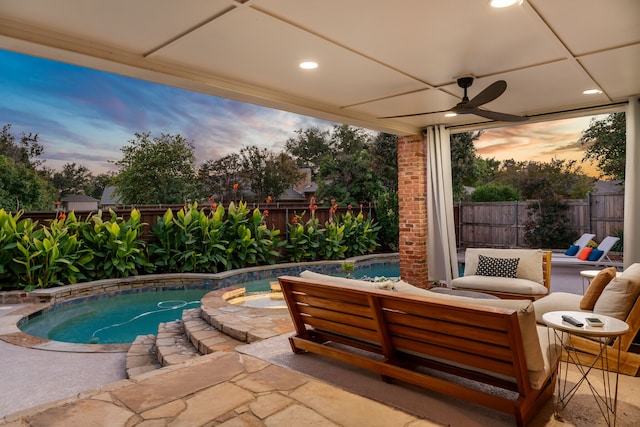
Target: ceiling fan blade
{"points": [[503, 117], [413, 115], [490, 93]]}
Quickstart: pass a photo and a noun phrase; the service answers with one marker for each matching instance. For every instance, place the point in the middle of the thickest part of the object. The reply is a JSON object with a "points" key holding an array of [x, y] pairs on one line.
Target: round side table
{"points": [[563, 331]]}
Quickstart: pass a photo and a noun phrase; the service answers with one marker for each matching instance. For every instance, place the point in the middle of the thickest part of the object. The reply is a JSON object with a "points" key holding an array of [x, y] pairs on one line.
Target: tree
{"points": [[156, 170], [464, 168], [538, 180], [98, 183], [495, 193], [384, 152], [308, 148], [217, 177], [73, 179], [25, 151], [268, 173], [346, 172], [21, 187], [605, 142]]}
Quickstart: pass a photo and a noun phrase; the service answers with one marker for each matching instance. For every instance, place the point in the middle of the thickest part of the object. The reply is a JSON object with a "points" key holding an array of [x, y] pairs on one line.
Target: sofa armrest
{"points": [[557, 301]]}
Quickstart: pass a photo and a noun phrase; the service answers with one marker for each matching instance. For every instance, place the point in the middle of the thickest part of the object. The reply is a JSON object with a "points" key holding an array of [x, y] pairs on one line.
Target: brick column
{"points": [[412, 199]]}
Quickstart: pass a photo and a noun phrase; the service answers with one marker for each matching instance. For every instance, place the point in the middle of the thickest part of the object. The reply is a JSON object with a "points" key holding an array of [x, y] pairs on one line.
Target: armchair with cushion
{"points": [[607, 294], [506, 273]]}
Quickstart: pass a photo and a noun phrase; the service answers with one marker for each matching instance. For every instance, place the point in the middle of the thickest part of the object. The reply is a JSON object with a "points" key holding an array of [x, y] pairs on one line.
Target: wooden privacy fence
{"points": [[502, 224], [278, 218]]}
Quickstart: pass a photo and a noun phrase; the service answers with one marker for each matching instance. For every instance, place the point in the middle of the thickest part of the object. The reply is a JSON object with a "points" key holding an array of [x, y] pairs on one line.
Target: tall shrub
{"points": [[548, 225], [115, 245], [190, 241]]}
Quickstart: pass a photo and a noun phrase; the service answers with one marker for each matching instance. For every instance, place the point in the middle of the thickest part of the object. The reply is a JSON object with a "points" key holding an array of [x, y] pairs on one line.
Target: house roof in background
{"points": [[109, 197]]}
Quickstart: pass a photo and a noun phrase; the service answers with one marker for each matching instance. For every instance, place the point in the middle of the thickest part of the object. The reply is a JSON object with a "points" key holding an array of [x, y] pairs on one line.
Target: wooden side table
{"points": [[563, 331]]}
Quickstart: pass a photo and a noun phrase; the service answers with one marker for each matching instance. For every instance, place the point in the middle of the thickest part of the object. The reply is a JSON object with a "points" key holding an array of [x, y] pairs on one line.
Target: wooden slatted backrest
{"points": [[633, 320], [483, 338], [329, 308]]}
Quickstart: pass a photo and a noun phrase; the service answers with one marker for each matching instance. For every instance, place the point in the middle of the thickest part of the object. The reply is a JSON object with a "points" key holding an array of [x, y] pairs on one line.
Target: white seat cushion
{"points": [[500, 284], [529, 261]]}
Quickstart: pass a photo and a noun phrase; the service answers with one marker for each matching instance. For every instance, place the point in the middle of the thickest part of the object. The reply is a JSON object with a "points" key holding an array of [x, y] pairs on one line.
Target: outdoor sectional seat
{"points": [[394, 328], [527, 273], [609, 294]]}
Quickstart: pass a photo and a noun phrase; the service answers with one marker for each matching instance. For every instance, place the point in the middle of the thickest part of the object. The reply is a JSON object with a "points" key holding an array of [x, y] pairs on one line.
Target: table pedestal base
{"points": [[608, 398]]}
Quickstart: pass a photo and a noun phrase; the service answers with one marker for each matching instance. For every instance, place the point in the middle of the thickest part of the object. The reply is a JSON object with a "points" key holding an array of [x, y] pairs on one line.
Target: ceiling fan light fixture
{"points": [[308, 65], [591, 92], [504, 3], [450, 114]]}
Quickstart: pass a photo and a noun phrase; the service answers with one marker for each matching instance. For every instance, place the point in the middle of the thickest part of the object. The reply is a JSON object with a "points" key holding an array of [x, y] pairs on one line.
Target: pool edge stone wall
{"points": [[211, 281]]}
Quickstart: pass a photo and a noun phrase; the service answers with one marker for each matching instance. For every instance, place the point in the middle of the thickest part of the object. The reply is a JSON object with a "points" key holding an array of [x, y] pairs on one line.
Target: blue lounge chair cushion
{"points": [[573, 250], [595, 255]]}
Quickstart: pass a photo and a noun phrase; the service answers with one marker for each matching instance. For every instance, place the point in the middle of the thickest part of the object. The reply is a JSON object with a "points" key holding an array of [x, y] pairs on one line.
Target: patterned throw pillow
{"points": [[497, 267]]}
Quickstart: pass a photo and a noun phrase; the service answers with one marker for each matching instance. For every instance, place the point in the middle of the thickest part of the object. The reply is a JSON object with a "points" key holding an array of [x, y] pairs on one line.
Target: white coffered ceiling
{"points": [[376, 58]]}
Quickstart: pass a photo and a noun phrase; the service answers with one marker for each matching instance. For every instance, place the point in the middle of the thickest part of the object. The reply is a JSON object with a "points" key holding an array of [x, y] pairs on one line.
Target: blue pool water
{"points": [[121, 318]]}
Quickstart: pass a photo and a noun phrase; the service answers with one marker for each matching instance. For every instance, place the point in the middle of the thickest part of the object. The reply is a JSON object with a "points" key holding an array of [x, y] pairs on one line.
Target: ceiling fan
{"points": [[467, 106]]}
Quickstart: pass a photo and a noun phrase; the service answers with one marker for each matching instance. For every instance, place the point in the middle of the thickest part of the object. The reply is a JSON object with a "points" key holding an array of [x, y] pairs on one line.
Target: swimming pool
{"points": [[118, 318]]}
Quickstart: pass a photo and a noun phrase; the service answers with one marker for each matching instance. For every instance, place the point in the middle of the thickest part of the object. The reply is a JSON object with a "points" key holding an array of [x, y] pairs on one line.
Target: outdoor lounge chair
{"points": [[602, 257], [579, 244]]}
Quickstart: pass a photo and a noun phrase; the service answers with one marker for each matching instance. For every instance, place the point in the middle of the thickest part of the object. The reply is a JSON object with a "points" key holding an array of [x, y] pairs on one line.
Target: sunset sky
{"points": [[85, 116]]}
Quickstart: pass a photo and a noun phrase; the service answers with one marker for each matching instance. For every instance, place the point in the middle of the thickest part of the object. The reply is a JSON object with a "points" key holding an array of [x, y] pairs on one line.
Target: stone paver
{"points": [[222, 389]]}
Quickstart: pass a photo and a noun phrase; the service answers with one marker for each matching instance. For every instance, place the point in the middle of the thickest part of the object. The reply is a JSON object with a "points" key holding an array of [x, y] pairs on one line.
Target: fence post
{"points": [[589, 212], [516, 222]]}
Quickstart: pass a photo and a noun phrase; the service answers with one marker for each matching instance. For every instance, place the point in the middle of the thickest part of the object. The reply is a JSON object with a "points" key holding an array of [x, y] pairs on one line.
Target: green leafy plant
{"points": [[8, 247], [116, 248], [348, 268], [332, 246], [388, 220], [241, 247], [360, 234], [298, 245], [548, 225], [189, 241], [267, 241]]}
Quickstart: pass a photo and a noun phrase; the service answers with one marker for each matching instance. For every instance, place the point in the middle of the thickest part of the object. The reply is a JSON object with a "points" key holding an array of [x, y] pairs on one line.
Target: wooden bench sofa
{"points": [[532, 279], [414, 339]]}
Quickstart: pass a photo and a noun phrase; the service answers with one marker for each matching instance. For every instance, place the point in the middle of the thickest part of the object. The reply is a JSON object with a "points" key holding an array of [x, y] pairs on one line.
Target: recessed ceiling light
{"points": [[308, 65], [450, 115], [504, 3], [591, 91]]}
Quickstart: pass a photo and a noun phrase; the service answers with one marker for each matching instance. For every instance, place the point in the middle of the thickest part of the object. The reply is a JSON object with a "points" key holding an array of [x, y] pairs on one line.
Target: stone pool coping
{"points": [[230, 319]]}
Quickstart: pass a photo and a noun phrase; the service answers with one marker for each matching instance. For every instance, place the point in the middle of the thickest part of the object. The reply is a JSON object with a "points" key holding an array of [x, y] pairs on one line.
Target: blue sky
{"points": [[85, 116]]}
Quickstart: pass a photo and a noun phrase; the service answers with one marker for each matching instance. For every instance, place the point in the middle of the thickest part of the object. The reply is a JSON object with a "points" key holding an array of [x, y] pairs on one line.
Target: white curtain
{"points": [[442, 257]]}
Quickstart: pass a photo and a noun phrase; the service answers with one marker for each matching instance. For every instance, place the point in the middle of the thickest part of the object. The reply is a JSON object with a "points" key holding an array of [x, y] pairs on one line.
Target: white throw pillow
{"points": [[618, 297]]}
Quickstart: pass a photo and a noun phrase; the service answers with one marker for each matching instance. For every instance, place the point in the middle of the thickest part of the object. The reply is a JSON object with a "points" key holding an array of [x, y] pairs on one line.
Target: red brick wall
{"points": [[412, 197]]}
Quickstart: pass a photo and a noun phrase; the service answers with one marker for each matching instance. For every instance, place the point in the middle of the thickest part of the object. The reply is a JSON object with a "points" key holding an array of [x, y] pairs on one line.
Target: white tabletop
{"points": [[590, 274], [612, 327]]}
